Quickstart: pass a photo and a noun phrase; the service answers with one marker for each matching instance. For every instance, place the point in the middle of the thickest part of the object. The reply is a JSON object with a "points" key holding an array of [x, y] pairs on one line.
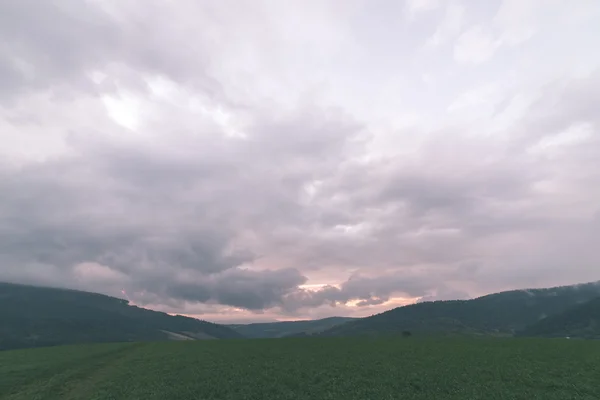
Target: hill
{"points": [[37, 316], [288, 328], [581, 321], [499, 314]]}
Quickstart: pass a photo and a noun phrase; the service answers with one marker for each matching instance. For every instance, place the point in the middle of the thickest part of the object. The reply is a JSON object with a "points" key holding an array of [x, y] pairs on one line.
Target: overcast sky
{"points": [[265, 159]]}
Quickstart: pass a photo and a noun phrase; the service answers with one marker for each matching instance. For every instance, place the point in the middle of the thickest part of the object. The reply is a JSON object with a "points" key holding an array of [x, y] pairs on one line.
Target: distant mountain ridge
{"points": [[288, 328], [33, 316], [501, 314]]}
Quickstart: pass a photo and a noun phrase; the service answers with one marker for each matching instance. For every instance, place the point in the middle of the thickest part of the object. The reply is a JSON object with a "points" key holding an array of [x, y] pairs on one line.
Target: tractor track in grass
{"points": [[59, 380]]}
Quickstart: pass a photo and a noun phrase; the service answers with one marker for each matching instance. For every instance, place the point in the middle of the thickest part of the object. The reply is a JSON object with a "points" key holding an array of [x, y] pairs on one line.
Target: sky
{"points": [[257, 160]]}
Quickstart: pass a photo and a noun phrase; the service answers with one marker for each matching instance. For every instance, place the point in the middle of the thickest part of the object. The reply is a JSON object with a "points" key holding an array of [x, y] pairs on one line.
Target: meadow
{"points": [[307, 368]]}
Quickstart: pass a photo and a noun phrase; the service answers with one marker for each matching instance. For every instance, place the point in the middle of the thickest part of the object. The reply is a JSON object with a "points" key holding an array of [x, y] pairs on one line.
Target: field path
{"points": [[61, 376], [86, 384]]}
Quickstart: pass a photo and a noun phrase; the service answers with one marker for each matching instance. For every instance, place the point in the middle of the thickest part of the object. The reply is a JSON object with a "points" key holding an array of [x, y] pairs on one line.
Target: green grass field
{"points": [[315, 368]]}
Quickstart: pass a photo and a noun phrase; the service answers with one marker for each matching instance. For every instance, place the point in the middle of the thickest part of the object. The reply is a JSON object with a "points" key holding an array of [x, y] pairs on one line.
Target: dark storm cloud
{"points": [[240, 288], [169, 219]]}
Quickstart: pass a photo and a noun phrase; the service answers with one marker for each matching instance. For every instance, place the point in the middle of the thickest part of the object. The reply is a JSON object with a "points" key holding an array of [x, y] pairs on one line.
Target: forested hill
{"points": [[496, 314], [581, 321], [37, 316]]}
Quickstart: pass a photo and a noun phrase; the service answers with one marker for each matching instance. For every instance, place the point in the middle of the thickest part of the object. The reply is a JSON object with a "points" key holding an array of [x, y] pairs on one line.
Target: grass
{"points": [[313, 368]]}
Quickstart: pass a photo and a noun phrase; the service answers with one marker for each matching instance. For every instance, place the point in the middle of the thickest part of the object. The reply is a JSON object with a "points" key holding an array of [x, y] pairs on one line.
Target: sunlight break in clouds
{"points": [[259, 160]]}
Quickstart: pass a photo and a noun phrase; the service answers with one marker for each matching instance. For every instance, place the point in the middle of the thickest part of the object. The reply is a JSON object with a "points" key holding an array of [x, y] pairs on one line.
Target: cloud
{"points": [[474, 46], [103, 208], [367, 290], [235, 287], [37, 53], [415, 7], [227, 162], [451, 24]]}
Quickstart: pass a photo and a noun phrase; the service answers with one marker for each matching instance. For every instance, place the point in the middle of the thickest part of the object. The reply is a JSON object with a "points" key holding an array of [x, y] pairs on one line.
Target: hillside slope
{"points": [[581, 321], [497, 314], [288, 328], [38, 316]]}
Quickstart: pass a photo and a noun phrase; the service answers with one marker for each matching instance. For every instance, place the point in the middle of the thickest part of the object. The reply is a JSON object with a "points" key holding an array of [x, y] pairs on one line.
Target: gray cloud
{"points": [[48, 43], [154, 214], [366, 290], [247, 174], [241, 288]]}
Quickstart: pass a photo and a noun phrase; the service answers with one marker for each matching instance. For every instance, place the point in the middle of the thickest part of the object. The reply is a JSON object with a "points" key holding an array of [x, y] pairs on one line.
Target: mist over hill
{"points": [[580, 321]]}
